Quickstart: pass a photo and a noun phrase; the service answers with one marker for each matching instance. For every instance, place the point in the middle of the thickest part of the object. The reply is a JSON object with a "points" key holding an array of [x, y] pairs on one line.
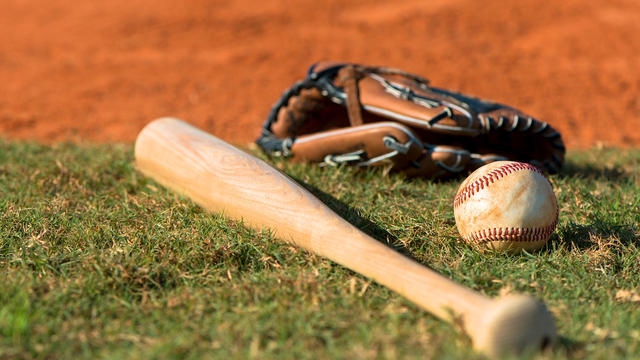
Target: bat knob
{"points": [[514, 325]]}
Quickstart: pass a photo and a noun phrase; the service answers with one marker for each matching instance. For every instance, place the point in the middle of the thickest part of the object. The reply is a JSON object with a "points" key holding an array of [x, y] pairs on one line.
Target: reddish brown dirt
{"points": [[100, 70]]}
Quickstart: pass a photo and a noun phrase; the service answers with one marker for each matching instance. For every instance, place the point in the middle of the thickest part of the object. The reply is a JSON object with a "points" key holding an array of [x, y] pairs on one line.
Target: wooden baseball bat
{"points": [[220, 177]]}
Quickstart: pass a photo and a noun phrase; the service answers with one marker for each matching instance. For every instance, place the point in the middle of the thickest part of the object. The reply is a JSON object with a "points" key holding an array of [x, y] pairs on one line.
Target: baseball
{"points": [[506, 206]]}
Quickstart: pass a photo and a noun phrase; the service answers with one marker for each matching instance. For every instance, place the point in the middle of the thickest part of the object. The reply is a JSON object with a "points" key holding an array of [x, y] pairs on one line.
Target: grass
{"points": [[97, 261]]}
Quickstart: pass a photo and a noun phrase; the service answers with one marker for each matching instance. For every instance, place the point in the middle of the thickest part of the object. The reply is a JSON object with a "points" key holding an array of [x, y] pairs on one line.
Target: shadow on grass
{"points": [[573, 349], [570, 347], [582, 236], [589, 171], [351, 215]]}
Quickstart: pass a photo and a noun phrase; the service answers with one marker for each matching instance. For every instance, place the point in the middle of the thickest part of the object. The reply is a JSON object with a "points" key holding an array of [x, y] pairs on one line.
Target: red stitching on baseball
{"points": [[513, 234], [489, 178]]}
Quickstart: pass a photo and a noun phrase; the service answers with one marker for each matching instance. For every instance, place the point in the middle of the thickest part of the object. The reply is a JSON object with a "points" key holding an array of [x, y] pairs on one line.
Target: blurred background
{"points": [[100, 70]]}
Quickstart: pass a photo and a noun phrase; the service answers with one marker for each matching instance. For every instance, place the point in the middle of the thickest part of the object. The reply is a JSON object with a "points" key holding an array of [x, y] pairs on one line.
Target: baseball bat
{"points": [[222, 178]]}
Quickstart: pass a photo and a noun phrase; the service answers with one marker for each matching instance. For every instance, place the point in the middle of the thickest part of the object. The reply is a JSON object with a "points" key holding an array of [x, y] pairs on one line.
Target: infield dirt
{"points": [[99, 71]]}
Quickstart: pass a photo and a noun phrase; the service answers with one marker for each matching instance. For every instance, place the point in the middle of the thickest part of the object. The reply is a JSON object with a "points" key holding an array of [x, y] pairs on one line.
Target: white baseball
{"points": [[506, 205]]}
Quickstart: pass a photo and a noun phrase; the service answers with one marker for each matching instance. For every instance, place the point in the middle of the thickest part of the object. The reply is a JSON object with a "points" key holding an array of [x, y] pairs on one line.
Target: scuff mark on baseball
{"points": [[506, 206]]}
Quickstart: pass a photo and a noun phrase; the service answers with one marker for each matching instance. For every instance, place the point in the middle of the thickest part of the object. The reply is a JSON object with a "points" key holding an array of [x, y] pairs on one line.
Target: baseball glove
{"points": [[366, 116]]}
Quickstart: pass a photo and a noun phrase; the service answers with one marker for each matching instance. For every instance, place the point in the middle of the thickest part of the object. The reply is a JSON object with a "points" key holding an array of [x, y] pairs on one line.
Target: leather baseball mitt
{"points": [[367, 116]]}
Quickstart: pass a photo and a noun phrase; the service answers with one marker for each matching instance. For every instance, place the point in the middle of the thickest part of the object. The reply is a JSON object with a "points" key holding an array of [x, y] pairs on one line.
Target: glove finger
{"points": [[363, 145], [441, 162], [478, 160]]}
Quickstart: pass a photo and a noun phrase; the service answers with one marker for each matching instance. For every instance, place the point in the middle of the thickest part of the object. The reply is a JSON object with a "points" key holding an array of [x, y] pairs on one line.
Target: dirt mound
{"points": [[101, 70]]}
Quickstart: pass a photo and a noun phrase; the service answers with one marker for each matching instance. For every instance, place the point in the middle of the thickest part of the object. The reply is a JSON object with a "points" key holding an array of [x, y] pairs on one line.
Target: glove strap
{"points": [[352, 90]]}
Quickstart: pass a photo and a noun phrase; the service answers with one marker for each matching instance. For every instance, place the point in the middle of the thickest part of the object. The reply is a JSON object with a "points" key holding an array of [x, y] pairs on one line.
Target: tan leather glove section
{"points": [[367, 139]]}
